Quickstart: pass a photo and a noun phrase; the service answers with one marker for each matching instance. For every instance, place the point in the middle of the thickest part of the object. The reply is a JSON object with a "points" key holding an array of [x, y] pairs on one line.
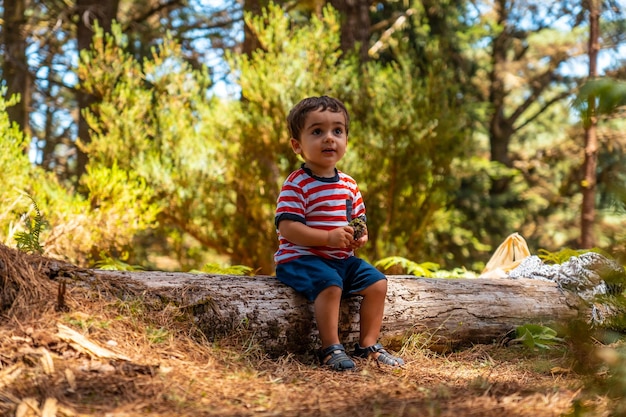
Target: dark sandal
{"points": [[383, 357], [337, 360]]}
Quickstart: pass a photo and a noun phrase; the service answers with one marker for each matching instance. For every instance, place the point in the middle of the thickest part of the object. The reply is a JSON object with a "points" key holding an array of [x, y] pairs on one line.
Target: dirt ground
{"points": [[84, 351]]}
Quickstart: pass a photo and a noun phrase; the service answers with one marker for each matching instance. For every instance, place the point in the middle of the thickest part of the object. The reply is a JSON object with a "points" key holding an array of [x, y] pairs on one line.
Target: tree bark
{"points": [[500, 126], [355, 27], [15, 66], [89, 11], [510, 56], [449, 312], [250, 40], [588, 209]]}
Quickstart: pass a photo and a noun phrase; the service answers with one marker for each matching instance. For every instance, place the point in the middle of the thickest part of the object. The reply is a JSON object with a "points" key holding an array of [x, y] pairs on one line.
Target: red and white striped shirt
{"points": [[321, 203]]}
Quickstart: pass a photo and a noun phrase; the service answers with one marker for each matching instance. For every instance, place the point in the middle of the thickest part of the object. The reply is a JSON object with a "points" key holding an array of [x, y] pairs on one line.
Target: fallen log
{"points": [[451, 312]]}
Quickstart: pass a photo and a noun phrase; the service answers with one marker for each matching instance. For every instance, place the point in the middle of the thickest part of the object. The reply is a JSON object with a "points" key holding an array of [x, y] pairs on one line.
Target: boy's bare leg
{"points": [[371, 312], [326, 307]]}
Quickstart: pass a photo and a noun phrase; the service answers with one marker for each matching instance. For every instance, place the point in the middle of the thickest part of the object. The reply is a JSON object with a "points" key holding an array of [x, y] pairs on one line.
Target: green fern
{"points": [[28, 241], [425, 269], [455, 273], [108, 263], [563, 255], [111, 264], [213, 268]]}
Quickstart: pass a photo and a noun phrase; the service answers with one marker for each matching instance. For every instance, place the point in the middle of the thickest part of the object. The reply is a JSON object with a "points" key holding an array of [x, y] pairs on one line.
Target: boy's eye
{"points": [[338, 131], [317, 131]]}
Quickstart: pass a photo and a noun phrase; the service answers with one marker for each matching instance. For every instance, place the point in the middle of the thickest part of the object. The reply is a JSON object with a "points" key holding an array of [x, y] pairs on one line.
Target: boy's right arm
{"points": [[303, 235]]}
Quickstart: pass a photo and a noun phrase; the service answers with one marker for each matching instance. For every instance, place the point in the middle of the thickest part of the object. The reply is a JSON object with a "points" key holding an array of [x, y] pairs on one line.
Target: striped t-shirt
{"points": [[321, 203]]}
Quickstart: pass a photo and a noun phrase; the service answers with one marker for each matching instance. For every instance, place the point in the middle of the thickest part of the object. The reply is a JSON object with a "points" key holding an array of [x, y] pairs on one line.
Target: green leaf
{"points": [[535, 336]]}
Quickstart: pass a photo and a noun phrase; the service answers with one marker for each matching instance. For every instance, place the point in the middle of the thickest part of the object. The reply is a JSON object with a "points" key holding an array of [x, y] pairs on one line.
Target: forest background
{"points": [[470, 120]]}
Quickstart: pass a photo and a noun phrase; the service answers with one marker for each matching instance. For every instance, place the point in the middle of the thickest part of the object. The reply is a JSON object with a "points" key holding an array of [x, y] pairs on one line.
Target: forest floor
{"points": [[83, 351]]}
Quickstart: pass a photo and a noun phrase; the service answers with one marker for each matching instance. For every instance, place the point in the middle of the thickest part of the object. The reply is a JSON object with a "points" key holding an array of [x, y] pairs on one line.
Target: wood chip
{"points": [[84, 345], [71, 380], [28, 407], [49, 408], [8, 375], [46, 361]]}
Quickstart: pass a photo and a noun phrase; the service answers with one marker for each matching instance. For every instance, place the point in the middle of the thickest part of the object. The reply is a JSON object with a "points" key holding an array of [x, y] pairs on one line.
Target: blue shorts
{"points": [[310, 275]]}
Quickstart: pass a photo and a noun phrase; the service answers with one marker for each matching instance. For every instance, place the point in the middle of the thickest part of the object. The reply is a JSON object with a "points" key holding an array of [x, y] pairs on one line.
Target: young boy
{"points": [[316, 245]]}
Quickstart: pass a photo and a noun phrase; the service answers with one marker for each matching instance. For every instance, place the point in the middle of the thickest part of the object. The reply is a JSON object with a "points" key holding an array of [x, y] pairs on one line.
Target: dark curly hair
{"points": [[297, 115]]}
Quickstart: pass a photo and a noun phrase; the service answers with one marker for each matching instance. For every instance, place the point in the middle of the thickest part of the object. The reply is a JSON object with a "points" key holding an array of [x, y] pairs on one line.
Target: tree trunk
{"points": [[513, 108], [450, 312], [588, 210], [89, 11], [250, 40], [355, 26], [15, 66], [500, 126]]}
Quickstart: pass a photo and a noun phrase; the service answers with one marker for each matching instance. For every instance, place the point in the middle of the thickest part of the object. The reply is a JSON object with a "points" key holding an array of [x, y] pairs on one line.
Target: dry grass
{"points": [[171, 370]]}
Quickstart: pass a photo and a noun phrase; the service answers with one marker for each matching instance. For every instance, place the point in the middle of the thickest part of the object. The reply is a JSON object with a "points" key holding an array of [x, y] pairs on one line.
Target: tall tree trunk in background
{"points": [[513, 54], [15, 66], [90, 11], [355, 26], [250, 40], [500, 126], [588, 211]]}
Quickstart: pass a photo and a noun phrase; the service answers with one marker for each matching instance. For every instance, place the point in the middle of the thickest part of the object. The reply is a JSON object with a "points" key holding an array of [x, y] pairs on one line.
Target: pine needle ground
{"points": [[154, 362]]}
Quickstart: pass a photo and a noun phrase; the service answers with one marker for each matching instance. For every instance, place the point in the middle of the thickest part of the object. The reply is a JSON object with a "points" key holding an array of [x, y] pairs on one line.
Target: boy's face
{"points": [[323, 141]]}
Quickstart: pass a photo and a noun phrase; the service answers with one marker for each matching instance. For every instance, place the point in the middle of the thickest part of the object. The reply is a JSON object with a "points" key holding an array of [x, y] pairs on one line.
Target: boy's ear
{"points": [[295, 145]]}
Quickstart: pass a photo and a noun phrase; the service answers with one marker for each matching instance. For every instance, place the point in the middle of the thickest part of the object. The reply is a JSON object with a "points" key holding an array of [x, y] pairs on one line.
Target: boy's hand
{"points": [[341, 237], [360, 242]]}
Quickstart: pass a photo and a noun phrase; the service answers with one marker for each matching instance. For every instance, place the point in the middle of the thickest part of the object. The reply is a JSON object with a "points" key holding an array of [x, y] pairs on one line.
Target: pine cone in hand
{"points": [[359, 227]]}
